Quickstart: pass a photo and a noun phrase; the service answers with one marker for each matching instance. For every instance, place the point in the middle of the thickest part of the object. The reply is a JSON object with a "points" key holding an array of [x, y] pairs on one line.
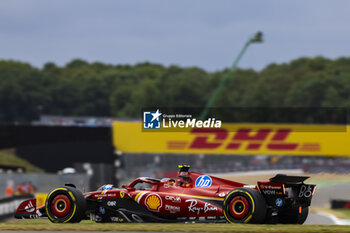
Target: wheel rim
{"points": [[60, 205], [239, 207]]}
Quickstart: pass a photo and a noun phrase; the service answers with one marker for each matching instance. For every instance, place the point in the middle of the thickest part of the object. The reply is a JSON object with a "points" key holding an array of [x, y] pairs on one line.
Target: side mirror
{"points": [[124, 186]]}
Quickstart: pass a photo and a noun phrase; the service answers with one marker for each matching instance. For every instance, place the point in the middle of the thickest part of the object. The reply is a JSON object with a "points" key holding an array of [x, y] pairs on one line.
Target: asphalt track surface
{"points": [[322, 198], [318, 219], [325, 193]]}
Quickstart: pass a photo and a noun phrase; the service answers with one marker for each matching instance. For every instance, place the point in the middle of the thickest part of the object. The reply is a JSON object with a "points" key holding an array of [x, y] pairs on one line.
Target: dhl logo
{"points": [[243, 138]]}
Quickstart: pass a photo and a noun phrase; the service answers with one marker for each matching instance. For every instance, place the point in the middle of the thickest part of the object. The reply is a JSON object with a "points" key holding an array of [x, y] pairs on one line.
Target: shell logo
{"points": [[153, 202]]}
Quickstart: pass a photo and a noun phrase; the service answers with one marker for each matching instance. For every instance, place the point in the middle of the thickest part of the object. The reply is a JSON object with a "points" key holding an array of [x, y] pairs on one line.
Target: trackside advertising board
{"points": [[279, 139]]}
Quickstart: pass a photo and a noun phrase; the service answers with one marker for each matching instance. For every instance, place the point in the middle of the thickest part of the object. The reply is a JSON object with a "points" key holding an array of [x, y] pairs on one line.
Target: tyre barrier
{"points": [[340, 204], [8, 205]]}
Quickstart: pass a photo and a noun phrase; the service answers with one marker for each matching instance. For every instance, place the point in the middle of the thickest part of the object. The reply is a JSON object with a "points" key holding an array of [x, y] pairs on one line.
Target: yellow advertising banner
{"points": [[271, 139]]}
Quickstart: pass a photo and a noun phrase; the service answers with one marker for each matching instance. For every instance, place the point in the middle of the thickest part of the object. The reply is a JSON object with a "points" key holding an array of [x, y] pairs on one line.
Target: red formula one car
{"points": [[192, 197]]}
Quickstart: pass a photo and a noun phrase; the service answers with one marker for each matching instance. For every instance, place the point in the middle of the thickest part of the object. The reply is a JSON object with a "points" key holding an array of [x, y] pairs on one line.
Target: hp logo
{"points": [[203, 181]]}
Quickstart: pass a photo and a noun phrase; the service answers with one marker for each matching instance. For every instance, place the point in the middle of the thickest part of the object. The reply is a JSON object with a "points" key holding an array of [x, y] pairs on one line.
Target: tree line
{"points": [[95, 89]]}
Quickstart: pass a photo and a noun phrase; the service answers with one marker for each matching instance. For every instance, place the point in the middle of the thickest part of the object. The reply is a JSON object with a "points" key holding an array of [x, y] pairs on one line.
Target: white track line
{"points": [[336, 220]]}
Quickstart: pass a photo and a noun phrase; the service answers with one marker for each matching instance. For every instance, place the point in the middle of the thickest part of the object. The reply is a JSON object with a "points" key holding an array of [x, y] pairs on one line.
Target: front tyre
{"points": [[244, 205], [65, 205]]}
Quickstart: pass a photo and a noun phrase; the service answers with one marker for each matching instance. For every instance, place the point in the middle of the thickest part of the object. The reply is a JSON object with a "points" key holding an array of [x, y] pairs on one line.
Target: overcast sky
{"points": [[203, 33]]}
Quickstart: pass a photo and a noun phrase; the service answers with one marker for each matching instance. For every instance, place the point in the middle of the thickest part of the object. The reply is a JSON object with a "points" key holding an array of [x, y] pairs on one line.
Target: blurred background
{"points": [[68, 70]]}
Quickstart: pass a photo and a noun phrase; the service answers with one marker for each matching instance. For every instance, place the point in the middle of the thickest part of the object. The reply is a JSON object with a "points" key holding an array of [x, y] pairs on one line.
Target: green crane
{"points": [[256, 38]]}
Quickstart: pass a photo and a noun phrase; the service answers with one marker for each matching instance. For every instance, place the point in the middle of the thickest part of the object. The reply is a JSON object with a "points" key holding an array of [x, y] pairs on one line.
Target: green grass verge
{"points": [[42, 224], [339, 213], [12, 160], [345, 213]]}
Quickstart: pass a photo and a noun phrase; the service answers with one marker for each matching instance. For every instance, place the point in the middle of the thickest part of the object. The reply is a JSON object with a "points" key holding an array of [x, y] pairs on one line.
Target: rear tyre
{"points": [[244, 205], [292, 216], [65, 205]]}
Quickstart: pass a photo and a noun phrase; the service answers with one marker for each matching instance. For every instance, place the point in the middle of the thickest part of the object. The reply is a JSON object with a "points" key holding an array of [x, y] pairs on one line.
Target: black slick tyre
{"points": [[65, 205], [244, 205], [293, 216]]}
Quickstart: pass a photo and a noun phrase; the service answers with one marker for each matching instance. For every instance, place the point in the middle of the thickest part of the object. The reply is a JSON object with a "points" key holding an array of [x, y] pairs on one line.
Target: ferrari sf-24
{"points": [[191, 197]]}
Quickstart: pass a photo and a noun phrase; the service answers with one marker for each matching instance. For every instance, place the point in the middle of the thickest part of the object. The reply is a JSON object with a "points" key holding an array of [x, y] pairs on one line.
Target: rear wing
{"points": [[282, 178]]}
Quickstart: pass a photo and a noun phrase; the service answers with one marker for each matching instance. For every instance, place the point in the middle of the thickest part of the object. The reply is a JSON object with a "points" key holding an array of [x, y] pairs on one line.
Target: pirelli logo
{"points": [[243, 139]]}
